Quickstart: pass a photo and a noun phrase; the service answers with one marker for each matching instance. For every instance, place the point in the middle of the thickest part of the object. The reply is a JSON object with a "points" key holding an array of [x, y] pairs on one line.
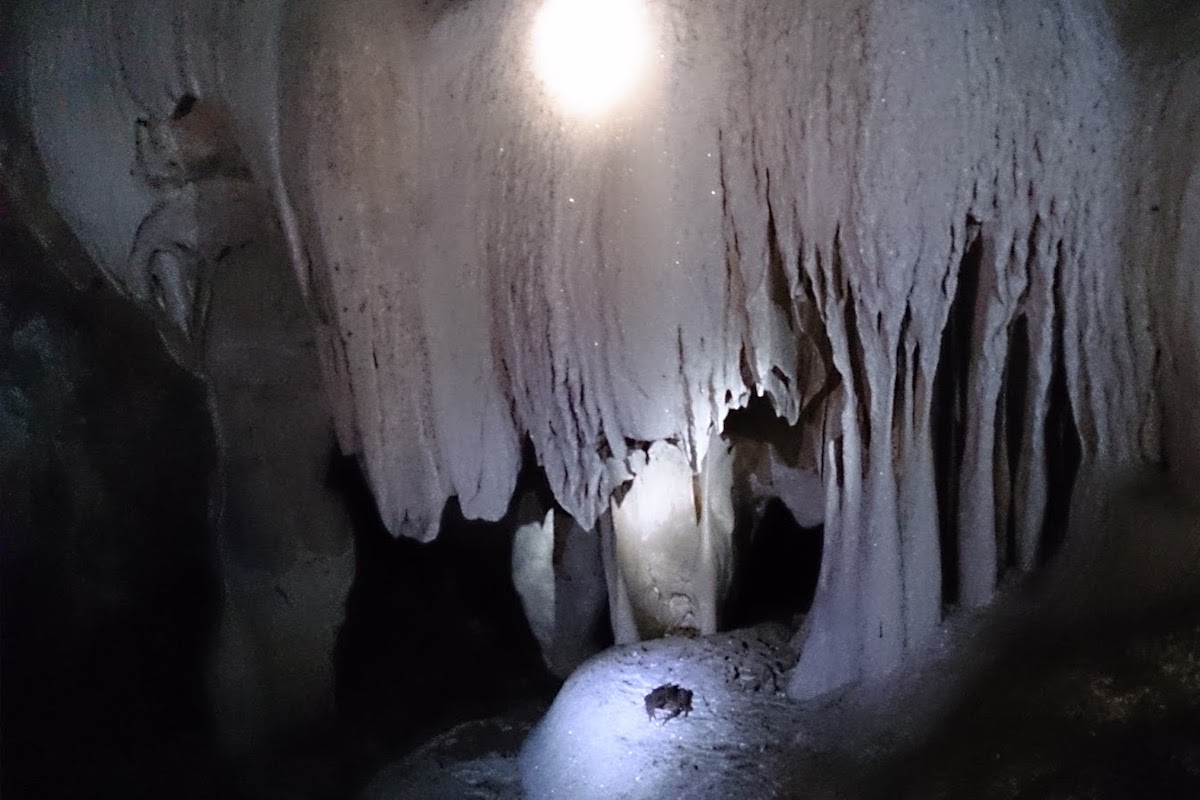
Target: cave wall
{"points": [[939, 207], [285, 538], [108, 578], [170, 200]]}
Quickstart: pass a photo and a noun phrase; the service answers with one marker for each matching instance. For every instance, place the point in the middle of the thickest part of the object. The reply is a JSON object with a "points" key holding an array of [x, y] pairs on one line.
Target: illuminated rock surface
{"points": [[955, 244], [557, 570], [900, 200]]}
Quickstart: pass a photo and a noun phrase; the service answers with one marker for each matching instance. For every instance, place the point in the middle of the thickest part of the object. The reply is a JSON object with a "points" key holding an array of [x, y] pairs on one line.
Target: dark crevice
{"points": [[899, 410], [778, 563], [1063, 446], [838, 464], [637, 444], [422, 617], [744, 368], [109, 592], [603, 448], [1015, 398], [620, 490], [778, 287], [759, 422], [949, 407], [184, 106], [1002, 476], [837, 268], [812, 327]]}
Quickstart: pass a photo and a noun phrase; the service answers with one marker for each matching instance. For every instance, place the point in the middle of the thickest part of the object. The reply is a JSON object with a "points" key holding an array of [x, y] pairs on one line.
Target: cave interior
{"points": [[802, 409]]}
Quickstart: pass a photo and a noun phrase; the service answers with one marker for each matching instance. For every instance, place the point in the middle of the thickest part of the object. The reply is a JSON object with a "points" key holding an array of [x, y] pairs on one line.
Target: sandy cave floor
{"points": [[1086, 717]]}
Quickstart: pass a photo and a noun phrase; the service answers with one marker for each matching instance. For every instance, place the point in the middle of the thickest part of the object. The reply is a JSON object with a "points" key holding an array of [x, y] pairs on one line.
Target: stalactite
{"points": [[949, 409], [1011, 424], [913, 464], [1031, 490], [909, 224]]}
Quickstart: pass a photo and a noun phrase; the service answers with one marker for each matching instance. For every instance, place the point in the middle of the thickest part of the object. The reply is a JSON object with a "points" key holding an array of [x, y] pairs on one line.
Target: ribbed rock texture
{"points": [[955, 240]]}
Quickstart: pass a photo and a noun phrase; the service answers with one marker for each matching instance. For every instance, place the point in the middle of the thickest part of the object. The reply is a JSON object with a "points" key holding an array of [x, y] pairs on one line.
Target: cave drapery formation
{"points": [[955, 241]]}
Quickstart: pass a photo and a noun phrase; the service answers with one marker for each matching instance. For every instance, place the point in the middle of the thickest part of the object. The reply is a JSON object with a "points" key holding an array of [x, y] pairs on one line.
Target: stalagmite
{"points": [[558, 571], [673, 533], [533, 575]]}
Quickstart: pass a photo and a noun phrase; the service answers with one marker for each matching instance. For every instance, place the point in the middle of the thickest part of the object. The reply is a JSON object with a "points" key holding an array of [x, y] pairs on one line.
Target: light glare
{"points": [[590, 53]]}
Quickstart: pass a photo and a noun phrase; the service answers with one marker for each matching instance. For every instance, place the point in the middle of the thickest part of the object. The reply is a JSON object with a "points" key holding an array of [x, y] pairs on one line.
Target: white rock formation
{"points": [[981, 218], [673, 532], [559, 574], [533, 577]]}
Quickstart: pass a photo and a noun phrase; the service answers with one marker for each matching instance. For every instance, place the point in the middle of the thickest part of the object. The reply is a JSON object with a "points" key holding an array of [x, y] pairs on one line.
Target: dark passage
{"points": [[434, 633], [776, 561], [778, 566], [1064, 450], [948, 413]]}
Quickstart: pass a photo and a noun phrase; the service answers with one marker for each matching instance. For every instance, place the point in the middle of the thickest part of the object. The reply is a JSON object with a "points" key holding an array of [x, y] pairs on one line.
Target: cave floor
{"points": [[1096, 717]]}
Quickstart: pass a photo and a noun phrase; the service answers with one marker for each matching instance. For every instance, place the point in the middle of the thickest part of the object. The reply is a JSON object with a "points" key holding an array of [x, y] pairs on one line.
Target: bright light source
{"points": [[590, 53]]}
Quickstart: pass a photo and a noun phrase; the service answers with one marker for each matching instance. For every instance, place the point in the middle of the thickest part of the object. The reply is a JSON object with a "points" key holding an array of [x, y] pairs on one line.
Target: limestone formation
{"points": [[954, 241]]}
